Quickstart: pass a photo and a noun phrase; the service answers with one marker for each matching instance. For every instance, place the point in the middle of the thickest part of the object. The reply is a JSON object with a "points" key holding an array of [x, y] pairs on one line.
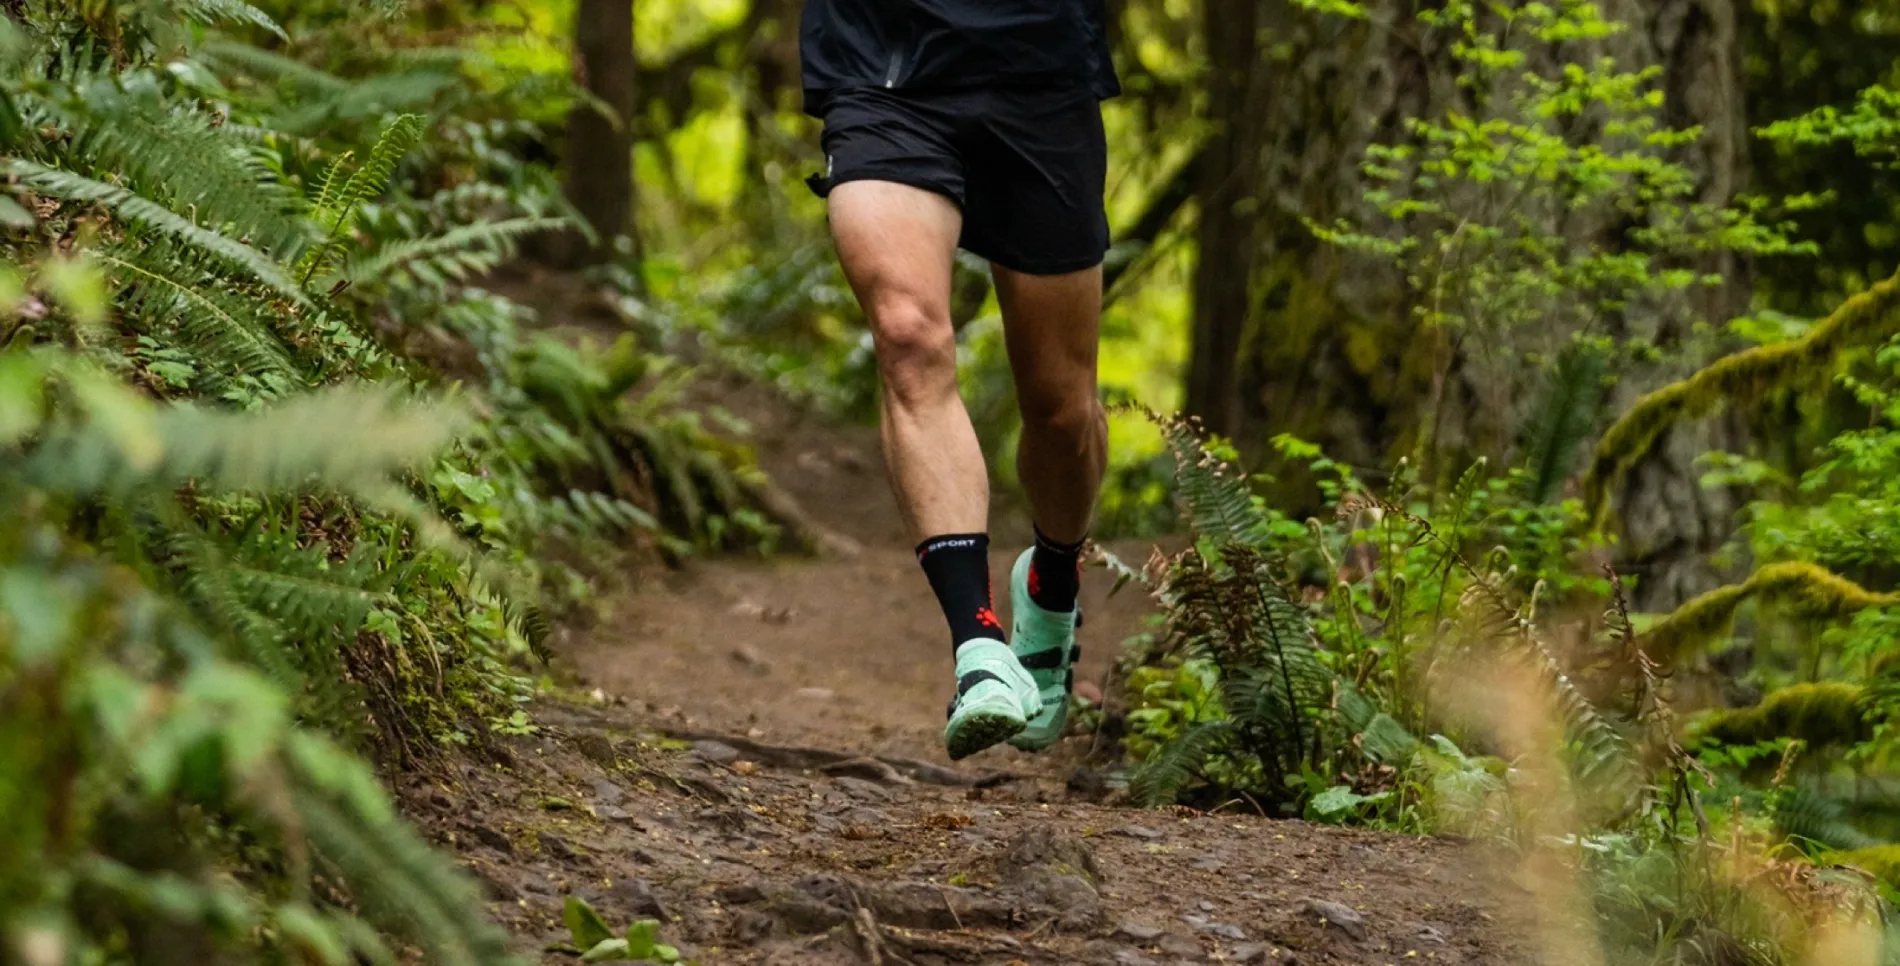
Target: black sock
{"points": [[1055, 574], [958, 565]]}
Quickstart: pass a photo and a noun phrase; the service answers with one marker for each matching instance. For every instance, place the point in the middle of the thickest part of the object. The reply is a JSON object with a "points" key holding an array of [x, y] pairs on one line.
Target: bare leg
{"points": [[1052, 324], [897, 246]]}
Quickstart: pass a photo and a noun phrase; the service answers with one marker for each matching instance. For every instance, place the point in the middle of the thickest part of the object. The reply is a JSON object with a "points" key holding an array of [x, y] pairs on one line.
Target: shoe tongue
{"points": [[977, 652]]}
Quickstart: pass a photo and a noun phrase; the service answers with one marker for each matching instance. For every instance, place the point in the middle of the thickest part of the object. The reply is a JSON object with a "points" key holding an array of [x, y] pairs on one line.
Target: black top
{"points": [[923, 44]]}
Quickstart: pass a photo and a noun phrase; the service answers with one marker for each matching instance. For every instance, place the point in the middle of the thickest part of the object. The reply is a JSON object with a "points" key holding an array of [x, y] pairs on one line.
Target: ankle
{"points": [[1055, 573]]}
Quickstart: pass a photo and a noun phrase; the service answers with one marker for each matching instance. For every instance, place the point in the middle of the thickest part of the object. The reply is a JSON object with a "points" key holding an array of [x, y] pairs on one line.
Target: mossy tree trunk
{"points": [[1295, 336]]}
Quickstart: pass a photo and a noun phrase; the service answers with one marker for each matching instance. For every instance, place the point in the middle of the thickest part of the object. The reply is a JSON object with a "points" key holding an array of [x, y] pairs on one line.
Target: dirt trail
{"points": [[766, 776]]}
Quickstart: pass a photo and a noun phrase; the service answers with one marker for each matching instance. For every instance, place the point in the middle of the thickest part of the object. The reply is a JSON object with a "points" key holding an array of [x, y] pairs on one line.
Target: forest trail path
{"points": [[762, 770]]}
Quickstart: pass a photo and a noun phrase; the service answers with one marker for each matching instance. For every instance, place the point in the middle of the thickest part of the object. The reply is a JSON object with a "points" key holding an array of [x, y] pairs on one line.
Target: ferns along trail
{"points": [[443, 516]]}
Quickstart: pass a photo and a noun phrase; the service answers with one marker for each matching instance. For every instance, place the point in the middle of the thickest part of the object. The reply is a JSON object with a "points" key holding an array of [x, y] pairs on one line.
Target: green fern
{"points": [[1177, 763], [146, 146], [1563, 420], [336, 207], [452, 256], [230, 11], [121, 202], [1216, 497]]}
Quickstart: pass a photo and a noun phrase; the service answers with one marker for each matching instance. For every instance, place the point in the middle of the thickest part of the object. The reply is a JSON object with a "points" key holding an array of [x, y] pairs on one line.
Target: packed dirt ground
{"points": [[752, 755]]}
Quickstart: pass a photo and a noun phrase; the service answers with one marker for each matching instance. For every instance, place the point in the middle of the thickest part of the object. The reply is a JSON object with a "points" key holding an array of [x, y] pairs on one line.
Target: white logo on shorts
{"points": [[830, 162]]}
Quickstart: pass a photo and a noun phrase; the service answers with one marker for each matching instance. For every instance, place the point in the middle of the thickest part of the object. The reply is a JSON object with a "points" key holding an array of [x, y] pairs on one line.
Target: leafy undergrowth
{"points": [[280, 492]]}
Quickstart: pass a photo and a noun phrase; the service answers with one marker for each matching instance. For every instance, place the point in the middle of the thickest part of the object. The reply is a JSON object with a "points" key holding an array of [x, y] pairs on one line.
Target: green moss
{"points": [[1825, 714], [1880, 861], [1802, 590], [1866, 319]]}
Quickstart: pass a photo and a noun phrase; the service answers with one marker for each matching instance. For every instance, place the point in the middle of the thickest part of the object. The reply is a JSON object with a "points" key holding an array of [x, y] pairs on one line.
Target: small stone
{"points": [[556, 845], [1179, 946], [635, 897], [615, 813], [814, 694], [741, 894], [1206, 906], [608, 793], [1140, 832], [1139, 931], [1345, 917], [491, 838], [1128, 957], [1207, 864], [1224, 930], [750, 925], [744, 767], [598, 696], [719, 753], [860, 789], [1432, 936], [1247, 953]]}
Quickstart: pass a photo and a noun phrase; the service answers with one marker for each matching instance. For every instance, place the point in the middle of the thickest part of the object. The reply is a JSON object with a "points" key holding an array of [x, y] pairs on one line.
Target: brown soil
{"points": [[760, 767]]}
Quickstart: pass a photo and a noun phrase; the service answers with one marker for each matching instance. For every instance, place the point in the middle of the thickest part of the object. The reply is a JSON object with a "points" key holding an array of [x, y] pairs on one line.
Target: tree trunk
{"points": [[1671, 526], [599, 170], [1227, 235]]}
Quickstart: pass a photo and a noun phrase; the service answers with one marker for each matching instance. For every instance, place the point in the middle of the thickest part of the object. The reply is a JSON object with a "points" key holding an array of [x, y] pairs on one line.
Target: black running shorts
{"points": [[1028, 167]]}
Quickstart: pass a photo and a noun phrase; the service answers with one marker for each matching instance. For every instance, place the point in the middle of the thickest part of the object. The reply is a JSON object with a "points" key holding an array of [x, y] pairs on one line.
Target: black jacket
{"points": [[946, 44]]}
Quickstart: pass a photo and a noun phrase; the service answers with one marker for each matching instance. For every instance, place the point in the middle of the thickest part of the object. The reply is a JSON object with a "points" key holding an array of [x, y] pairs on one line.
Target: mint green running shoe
{"points": [[1045, 643], [995, 698]]}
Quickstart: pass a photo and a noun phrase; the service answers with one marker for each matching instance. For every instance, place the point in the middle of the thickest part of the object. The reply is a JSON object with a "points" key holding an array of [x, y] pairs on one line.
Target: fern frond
{"points": [[367, 101], [217, 325], [337, 213], [177, 158], [1176, 764], [348, 438], [268, 64], [1807, 815], [453, 255], [1216, 496], [532, 624], [1867, 319], [403, 886], [1563, 420], [230, 11], [68, 186], [1803, 589]]}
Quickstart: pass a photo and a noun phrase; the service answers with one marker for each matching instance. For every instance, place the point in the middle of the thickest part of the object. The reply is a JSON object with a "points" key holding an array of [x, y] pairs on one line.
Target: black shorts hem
{"points": [[1041, 266], [823, 186]]}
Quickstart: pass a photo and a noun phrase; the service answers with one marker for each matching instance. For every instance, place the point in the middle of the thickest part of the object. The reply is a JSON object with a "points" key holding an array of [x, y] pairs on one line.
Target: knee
{"points": [[1073, 414], [916, 348]]}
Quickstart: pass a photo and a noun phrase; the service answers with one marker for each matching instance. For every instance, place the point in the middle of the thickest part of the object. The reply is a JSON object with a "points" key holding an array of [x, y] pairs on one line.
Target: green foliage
{"points": [[1867, 319], [1299, 652], [133, 637], [1538, 213], [598, 944], [246, 529]]}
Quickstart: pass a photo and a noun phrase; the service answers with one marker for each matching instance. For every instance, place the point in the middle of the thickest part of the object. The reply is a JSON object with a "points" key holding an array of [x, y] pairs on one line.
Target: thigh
{"points": [[897, 244], [893, 182], [1035, 173]]}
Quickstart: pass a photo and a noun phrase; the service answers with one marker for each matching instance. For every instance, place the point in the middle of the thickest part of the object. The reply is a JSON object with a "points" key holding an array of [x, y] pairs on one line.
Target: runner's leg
{"points": [[897, 245], [1051, 324]]}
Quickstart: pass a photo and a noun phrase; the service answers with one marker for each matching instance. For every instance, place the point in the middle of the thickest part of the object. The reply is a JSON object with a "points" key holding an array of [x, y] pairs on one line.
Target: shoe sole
{"points": [[1025, 740], [980, 730]]}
